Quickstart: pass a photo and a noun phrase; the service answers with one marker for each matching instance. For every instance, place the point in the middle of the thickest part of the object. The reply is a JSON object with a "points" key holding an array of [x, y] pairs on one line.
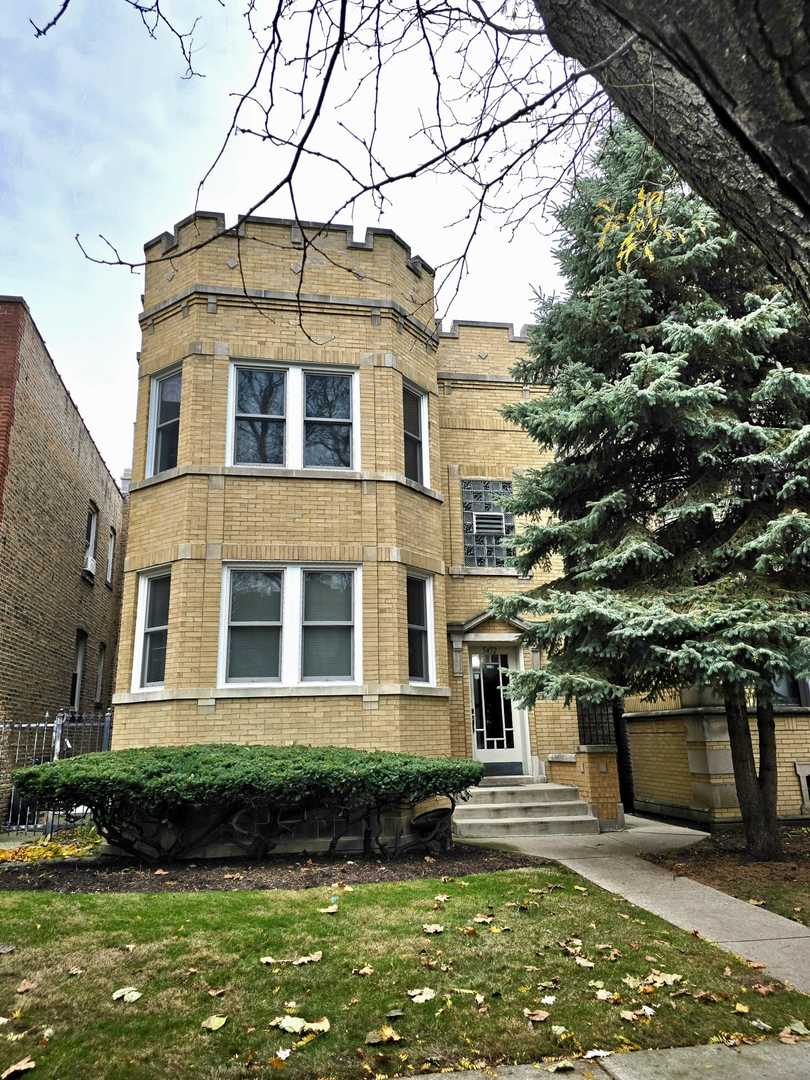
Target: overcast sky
{"points": [[100, 134]]}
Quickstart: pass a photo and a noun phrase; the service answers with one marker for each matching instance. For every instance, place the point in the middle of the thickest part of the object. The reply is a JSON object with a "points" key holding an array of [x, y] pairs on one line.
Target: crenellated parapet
{"points": [[472, 347], [278, 258]]}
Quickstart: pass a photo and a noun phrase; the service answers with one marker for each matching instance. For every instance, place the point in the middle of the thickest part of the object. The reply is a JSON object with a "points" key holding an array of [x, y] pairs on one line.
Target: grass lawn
{"points": [[720, 861], [78, 949]]}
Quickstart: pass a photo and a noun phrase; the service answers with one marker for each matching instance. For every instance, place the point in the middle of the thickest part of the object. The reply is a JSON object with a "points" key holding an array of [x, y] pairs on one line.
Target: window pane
{"points": [[253, 652], [154, 666], [328, 445], [417, 610], [157, 608], [166, 450], [329, 396], [327, 652], [260, 392], [169, 398], [255, 596], [328, 596], [412, 412], [413, 459], [259, 442], [417, 654]]}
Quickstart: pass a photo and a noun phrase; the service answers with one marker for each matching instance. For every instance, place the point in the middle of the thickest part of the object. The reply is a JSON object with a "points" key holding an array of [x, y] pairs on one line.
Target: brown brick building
{"points": [[314, 525], [62, 538]]}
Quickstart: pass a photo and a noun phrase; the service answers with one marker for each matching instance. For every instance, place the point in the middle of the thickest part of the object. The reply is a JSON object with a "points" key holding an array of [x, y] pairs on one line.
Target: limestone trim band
{"points": [[209, 695]]}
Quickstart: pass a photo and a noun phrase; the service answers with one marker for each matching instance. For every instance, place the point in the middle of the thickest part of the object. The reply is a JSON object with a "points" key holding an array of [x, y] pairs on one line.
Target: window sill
{"points": [[485, 571], [263, 690]]}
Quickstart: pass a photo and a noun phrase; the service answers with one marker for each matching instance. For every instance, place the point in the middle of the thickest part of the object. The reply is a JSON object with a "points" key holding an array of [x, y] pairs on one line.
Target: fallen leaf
{"points": [[764, 989], [727, 972], [583, 961], [432, 928], [281, 1055], [740, 1008], [798, 1027], [394, 1014], [26, 986], [385, 1034], [483, 918], [558, 1029], [127, 993], [217, 993], [161, 873], [130, 948], [6, 949], [761, 1025], [313, 958], [604, 995], [76, 971], [214, 1023], [297, 1024], [318, 1027], [591, 1054], [786, 1036], [561, 1066], [549, 999], [331, 910], [757, 901], [419, 997], [630, 1017], [18, 1067], [442, 898], [580, 888], [367, 969], [536, 1016]]}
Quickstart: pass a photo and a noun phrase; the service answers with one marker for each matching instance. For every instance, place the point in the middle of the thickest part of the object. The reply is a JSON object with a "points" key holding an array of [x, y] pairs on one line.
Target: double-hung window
{"points": [[419, 600], [254, 625], [164, 422], [110, 557], [414, 414], [153, 605], [90, 533], [294, 417], [259, 428], [289, 625], [327, 420], [328, 624]]}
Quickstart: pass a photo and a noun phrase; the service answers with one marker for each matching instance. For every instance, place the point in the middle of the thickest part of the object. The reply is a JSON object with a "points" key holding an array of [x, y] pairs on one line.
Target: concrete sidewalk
{"points": [[612, 861], [768, 1060]]}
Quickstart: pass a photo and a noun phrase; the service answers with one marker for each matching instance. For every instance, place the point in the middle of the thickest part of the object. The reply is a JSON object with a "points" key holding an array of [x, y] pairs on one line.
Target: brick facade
{"points": [[50, 472], [234, 301]]}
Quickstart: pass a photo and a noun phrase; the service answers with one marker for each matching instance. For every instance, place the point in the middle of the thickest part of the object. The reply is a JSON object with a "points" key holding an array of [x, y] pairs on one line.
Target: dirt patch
{"points": [[107, 875], [782, 886]]}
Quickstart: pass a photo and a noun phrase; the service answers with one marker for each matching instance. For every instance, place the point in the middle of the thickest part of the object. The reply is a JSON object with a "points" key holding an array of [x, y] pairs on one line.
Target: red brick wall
{"points": [[11, 323]]}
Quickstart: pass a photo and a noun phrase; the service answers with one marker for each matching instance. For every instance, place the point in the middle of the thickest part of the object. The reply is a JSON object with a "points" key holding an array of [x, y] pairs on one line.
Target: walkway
{"points": [[611, 860], [768, 1060]]}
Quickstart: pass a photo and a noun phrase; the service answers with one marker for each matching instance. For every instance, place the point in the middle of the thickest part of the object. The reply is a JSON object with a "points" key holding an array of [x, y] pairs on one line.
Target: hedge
{"points": [[137, 796]]}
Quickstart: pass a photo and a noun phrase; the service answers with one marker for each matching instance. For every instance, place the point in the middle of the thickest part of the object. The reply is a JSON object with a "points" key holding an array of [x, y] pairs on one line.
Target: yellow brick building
{"points": [[314, 525]]}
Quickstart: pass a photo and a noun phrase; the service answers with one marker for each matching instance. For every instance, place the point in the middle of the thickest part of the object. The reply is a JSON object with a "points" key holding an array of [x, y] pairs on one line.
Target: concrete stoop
{"points": [[522, 806]]}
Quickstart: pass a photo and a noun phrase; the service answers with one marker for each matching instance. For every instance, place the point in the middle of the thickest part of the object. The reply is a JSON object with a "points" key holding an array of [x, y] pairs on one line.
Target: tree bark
{"points": [[759, 821], [723, 91], [768, 767]]}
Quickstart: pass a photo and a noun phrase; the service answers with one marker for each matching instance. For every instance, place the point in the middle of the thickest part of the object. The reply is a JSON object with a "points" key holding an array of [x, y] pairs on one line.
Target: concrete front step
{"points": [[571, 807], [522, 826], [523, 793], [507, 780]]}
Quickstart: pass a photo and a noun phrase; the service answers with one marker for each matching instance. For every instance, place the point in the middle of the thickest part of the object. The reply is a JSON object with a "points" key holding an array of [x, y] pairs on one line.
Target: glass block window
{"points": [[486, 525]]}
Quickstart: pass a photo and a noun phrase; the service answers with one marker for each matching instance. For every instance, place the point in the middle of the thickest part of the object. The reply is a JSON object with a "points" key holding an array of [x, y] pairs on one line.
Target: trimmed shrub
{"points": [[168, 800]]}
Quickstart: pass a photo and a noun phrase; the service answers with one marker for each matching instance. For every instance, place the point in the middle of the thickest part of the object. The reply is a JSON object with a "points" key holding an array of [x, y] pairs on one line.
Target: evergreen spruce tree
{"points": [[678, 499]]}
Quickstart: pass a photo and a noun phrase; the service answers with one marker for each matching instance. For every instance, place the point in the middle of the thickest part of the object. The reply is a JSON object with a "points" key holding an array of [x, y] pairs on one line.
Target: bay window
{"points": [[293, 416], [420, 628], [290, 625], [152, 630], [164, 422]]}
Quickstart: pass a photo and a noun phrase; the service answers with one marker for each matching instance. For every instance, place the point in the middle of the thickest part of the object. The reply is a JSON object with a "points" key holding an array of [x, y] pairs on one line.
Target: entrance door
{"points": [[498, 726]]}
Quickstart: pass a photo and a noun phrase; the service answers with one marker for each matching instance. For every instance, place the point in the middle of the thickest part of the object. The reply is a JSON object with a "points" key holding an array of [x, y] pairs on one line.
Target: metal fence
{"points": [[68, 734]]}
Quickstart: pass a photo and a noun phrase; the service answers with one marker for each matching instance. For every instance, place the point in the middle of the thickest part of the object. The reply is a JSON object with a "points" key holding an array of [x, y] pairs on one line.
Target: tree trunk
{"points": [[761, 837], [722, 91], [768, 770]]}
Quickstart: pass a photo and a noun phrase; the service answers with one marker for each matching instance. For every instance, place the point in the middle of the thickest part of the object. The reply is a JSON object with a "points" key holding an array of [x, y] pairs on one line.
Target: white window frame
{"points": [[112, 539], [225, 625], [154, 391], [431, 626], [424, 416], [292, 630], [144, 577], [294, 415], [90, 542]]}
